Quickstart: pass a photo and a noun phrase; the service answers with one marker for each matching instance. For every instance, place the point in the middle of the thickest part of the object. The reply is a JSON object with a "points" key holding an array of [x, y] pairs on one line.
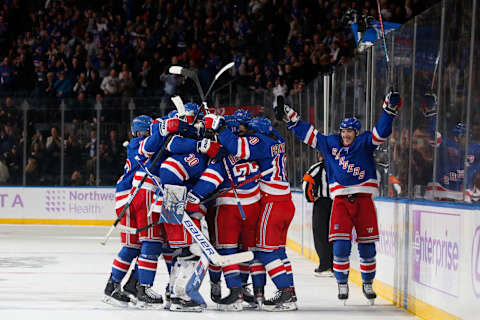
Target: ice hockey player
{"points": [[352, 181], [153, 238], [183, 169], [234, 219], [267, 147], [130, 243], [451, 159]]}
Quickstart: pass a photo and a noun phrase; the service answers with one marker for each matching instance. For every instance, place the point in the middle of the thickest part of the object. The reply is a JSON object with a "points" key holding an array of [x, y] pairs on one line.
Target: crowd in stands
{"points": [[84, 52]]}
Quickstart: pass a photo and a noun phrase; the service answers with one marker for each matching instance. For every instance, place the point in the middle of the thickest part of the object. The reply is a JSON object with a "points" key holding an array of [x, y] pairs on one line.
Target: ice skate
{"points": [[282, 301], [130, 289], [168, 298], [182, 305], [232, 302], [249, 301], [259, 294], [325, 273], [368, 292], [114, 295], [215, 291], [147, 298], [343, 292]]}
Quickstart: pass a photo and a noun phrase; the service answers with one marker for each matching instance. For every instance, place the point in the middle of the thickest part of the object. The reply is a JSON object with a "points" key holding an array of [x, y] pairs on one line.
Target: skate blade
{"points": [[250, 306], [149, 306], [167, 305], [289, 306], [236, 306], [370, 302], [133, 298], [180, 308], [113, 302]]}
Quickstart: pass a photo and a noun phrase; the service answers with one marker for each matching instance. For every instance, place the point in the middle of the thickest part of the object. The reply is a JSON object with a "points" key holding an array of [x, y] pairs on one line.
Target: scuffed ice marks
{"points": [[26, 262]]}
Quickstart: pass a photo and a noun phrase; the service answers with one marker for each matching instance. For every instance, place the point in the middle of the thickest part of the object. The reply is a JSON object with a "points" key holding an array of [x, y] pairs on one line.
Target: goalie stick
{"points": [[212, 197], [205, 245]]}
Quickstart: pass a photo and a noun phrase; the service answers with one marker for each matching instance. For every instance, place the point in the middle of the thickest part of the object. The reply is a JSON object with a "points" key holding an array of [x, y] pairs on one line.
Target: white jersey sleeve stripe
{"points": [[376, 139]]}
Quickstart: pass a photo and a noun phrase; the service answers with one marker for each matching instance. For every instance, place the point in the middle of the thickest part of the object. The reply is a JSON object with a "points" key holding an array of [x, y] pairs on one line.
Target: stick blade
{"points": [[177, 101], [226, 260], [228, 66], [175, 70]]}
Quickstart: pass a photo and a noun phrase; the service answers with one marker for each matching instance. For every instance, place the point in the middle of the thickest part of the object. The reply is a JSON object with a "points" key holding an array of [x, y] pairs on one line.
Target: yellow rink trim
{"points": [[414, 305], [58, 222]]}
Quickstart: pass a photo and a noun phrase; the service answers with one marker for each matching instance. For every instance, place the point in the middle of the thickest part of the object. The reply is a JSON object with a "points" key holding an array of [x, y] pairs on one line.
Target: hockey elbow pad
{"points": [[392, 103]]}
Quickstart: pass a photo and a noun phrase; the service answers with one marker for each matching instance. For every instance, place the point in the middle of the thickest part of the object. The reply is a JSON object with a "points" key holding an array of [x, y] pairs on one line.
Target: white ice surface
{"points": [[59, 272]]}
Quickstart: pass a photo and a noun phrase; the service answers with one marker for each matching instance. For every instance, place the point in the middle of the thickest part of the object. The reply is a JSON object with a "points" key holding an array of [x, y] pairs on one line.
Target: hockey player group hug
{"points": [[233, 173]]}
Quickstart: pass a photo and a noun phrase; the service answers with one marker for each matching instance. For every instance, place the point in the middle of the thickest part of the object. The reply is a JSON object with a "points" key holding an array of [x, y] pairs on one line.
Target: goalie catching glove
{"points": [[193, 206], [429, 105], [208, 147], [392, 103]]}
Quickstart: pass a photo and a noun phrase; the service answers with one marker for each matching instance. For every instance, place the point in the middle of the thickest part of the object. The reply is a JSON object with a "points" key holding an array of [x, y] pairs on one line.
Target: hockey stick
{"points": [[204, 243], [253, 178], [234, 189], [212, 197], [435, 71], [193, 75], [219, 73], [177, 101], [387, 60], [188, 74], [132, 195]]}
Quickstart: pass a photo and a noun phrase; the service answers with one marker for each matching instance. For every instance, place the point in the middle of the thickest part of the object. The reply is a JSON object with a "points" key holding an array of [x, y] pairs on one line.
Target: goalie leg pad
{"points": [[188, 278]]}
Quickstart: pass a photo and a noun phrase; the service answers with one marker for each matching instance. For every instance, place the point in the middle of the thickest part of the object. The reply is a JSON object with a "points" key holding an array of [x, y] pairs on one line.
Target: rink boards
{"points": [[428, 257]]}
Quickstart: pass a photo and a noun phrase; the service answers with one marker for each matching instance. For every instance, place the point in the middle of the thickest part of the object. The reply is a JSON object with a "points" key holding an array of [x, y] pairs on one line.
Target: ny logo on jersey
{"points": [[369, 229]]}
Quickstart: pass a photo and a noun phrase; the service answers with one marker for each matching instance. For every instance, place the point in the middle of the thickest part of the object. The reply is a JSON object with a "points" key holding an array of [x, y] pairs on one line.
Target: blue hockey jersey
{"points": [[267, 152], [350, 169], [124, 183], [451, 171], [216, 177], [153, 144]]}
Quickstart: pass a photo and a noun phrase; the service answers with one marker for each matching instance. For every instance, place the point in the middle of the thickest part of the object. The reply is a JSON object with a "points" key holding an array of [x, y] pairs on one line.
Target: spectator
{"points": [[93, 84], [32, 171], [63, 86], [4, 175], [91, 149], [81, 84], [110, 84], [76, 179]]}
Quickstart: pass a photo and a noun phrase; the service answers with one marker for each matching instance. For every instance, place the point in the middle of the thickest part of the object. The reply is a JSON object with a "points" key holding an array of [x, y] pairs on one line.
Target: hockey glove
{"points": [[291, 117], [429, 105], [214, 122], [193, 206], [392, 103], [208, 147]]}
